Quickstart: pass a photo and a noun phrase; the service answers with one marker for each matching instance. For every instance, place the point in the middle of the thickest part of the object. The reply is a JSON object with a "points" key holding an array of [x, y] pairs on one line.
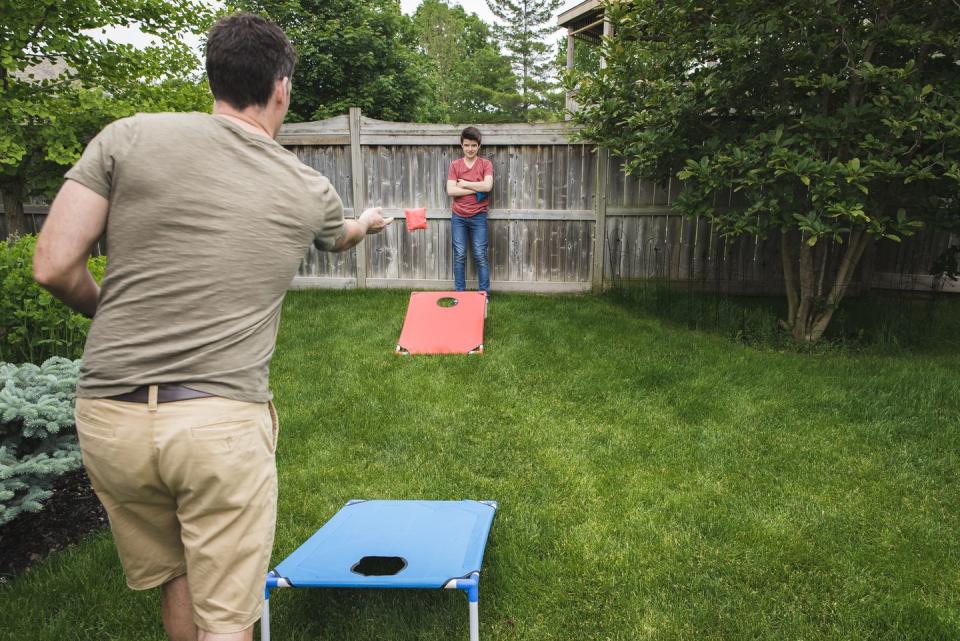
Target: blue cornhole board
{"points": [[392, 544]]}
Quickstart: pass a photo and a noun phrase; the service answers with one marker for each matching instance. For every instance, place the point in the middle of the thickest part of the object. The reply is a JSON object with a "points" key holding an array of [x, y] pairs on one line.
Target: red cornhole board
{"points": [[431, 328]]}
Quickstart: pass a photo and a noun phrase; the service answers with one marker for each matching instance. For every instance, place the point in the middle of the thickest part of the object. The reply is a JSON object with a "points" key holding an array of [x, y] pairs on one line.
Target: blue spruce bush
{"points": [[38, 439]]}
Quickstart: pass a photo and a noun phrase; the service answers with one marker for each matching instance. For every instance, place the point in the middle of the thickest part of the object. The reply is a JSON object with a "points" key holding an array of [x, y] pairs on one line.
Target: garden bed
{"points": [[69, 516]]}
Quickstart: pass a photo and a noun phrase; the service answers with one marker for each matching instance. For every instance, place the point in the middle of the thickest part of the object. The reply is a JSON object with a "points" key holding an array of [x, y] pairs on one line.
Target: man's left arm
{"points": [[76, 220], [485, 185]]}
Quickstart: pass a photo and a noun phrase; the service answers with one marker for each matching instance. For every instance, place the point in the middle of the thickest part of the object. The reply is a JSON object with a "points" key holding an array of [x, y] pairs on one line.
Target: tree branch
{"points": [[858, 242], [36, 32], [856, 86], [824, 254], [788, 257], [801, 327]]}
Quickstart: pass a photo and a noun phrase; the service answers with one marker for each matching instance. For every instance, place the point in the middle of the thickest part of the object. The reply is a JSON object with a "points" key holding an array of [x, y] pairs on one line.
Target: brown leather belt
{"points": [[166, 393]]}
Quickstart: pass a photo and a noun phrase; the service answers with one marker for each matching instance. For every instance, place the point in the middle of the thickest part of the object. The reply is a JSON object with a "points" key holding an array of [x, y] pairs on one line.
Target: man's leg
{"points": [[458, 231], [245, 635], [479, 242], [217, 455], [177, 610], [116, 439]]}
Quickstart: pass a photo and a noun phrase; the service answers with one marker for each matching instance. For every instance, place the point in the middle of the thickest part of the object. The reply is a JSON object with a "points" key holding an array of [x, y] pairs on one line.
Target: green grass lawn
{"points": [[654, 482]]}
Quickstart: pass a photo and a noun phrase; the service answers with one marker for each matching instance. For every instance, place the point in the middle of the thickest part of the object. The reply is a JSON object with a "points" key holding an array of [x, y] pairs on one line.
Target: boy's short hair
{"points": [[470, 133], [246, 55]]}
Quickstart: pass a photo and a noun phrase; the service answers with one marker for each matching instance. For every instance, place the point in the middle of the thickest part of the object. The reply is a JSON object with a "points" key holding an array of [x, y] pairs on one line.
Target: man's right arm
{"points": [[76, 220], [454, 190], [369, 222]]}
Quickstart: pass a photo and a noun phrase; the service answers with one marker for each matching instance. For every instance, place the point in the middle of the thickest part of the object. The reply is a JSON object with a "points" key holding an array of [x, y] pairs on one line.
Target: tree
{"points": [[525, 26], [830, 123], [60, 83], [474, 81], [351, 53]]}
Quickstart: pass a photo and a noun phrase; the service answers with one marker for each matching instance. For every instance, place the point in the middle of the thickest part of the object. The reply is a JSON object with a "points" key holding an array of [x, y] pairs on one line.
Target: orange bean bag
{"points": [[416, 218]]}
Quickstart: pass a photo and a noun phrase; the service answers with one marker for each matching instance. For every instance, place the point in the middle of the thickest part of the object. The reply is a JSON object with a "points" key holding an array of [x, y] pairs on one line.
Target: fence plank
{"points": [[359, 194], [602, 162]]}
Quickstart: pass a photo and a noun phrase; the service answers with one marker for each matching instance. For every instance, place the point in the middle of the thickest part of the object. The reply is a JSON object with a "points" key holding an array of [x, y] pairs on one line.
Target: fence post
{"points": [[600, 227], [359, 195]]}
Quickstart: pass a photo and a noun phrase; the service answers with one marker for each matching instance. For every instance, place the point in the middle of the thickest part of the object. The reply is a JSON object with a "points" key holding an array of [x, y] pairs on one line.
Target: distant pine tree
{"points": [[524, 28], [474, 80]]}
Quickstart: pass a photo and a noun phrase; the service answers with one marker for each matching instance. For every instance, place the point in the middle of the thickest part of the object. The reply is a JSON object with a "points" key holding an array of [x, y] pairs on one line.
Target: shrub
{"points": [[38, 440], [33, 324]]}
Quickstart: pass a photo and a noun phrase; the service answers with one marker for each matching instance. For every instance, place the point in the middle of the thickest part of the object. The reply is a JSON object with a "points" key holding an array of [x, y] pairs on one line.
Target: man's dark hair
{"points": [[246, 55], [470, 133]]}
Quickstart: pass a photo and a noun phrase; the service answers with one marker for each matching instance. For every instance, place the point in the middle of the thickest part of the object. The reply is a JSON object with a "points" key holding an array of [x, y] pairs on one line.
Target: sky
{"points": [[478, 7], [132, 35]]}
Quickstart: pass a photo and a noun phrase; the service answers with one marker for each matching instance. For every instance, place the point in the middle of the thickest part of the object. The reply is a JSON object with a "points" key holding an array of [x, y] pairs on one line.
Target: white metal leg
{"points": [[475, 621], [470, 586], [265, 621]]}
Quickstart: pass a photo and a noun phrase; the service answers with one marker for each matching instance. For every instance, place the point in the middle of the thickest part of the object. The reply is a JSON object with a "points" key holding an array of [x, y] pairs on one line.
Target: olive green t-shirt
{"points": [[207, 226]]}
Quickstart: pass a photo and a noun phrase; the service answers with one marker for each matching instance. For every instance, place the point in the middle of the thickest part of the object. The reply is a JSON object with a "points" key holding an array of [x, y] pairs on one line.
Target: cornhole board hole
{"points": [[392, 544], [443, 323]]}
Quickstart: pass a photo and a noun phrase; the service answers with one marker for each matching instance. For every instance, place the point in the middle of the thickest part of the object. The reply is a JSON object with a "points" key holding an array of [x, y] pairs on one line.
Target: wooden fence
{"points": [[551, 194], [542, 213]]}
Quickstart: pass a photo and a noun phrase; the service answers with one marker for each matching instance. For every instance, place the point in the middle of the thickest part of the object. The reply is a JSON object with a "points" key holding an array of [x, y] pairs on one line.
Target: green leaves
{"points": [[472, 81], [842, 131], [352, 53], [523, 30], [61, 84], [820, 120], [814, 227], [33, 325]]}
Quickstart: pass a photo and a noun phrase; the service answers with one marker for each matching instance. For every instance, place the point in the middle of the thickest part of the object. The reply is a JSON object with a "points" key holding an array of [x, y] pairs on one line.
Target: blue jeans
{"points": [[476, 228]]}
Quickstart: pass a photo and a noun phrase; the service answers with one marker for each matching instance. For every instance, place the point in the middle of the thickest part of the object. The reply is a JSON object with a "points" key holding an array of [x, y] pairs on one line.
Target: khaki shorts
{"points": [[190, 487]]}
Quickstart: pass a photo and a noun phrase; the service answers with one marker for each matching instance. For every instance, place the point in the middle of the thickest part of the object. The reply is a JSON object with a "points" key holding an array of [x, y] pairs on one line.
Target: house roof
{"points": [[584, 20]]}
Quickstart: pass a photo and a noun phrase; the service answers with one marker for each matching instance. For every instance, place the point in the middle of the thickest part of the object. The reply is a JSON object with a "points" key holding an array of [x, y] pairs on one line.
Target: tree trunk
{"points": [[789, 258], [848, 265], [808, 280], [13, 215], [806, 320]]}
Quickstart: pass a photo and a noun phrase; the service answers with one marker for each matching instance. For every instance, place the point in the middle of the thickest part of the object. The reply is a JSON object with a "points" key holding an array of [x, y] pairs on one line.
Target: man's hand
{"points": [[373, 221], [369, 222], [465, 184]]}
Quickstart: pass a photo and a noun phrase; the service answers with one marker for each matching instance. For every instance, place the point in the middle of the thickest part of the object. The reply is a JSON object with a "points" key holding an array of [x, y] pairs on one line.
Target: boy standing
{"points": [[469, 181]]}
